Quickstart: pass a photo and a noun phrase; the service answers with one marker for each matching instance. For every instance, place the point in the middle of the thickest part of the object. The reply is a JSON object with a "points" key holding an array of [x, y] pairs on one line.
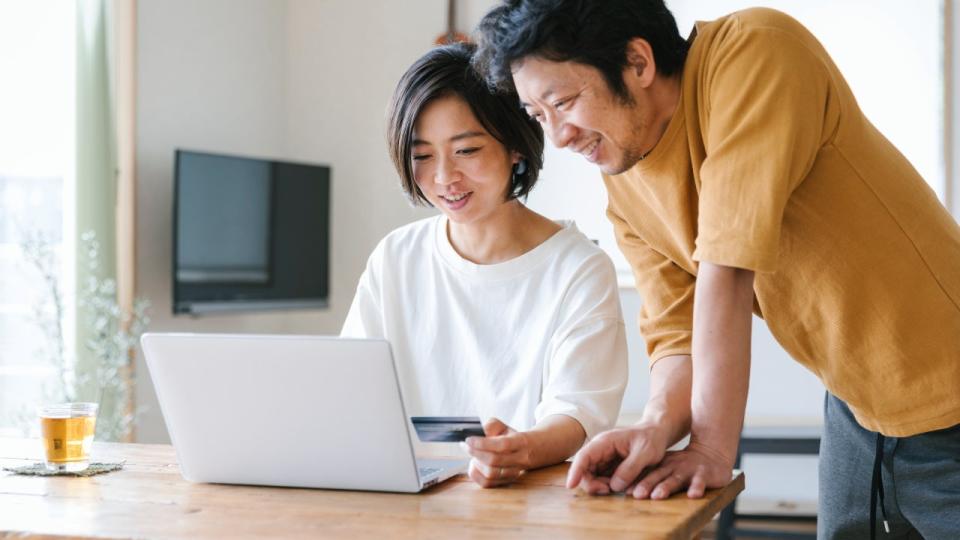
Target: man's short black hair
{"points": [[590, 32], [446, 71]]}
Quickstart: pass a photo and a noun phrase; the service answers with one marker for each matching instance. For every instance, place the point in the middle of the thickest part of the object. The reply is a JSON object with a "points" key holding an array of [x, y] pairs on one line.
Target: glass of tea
{"points": [[67, 431]]}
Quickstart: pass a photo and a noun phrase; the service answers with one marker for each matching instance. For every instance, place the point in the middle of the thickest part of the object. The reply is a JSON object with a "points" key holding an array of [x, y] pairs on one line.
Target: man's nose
{"points": [[561, 133]]}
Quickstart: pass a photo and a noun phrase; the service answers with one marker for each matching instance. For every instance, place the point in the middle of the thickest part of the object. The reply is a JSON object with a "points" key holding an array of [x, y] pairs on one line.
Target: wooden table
{"points": [[149, 499]]}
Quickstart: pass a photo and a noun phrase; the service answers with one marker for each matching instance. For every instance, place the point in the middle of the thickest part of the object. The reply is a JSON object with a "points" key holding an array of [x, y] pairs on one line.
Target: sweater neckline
{"points": [[516, 266]]}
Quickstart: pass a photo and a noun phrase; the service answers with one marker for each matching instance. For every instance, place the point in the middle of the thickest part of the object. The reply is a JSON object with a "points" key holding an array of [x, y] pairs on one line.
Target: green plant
{"points": [[110, 337]]}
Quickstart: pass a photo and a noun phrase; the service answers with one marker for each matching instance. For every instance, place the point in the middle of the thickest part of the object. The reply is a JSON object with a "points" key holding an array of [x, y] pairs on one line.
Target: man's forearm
{"points": [[669, 403], [721, 357]]}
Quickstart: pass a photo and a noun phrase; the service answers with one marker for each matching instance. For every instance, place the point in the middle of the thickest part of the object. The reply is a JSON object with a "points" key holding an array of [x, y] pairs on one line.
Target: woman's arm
{"points": [[554, 439]]}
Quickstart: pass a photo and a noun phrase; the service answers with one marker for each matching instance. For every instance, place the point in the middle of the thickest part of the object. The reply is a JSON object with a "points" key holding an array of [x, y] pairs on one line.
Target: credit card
{"points": [[446, 428]]}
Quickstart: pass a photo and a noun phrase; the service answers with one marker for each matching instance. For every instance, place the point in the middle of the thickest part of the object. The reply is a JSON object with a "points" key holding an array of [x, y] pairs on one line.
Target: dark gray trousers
{"points": [[921, 481]]}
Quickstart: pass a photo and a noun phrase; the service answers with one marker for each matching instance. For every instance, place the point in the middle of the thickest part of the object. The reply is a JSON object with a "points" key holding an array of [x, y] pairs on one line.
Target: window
{"points": [[36, 170]]}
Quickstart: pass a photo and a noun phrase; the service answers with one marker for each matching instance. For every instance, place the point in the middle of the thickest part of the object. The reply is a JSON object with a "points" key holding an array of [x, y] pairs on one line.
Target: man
{"points": [[743, 178]]}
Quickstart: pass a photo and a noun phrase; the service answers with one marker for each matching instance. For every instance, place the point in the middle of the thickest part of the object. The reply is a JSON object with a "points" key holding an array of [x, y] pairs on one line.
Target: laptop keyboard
{"points": [[427, 471]]}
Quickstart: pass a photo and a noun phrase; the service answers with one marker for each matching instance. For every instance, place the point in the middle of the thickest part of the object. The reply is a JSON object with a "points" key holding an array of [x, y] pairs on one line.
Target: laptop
{"points": [[294, 411]]}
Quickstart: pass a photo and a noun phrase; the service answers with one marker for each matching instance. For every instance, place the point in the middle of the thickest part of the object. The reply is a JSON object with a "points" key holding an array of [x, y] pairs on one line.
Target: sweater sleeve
{"points": [[586, 372]]}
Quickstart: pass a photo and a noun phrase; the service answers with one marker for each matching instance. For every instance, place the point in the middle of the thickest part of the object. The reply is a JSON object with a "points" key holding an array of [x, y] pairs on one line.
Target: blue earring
{"points": [[521, 167]]}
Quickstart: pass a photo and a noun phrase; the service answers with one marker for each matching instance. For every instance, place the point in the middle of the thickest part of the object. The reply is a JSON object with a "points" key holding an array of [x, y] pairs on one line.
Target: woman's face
{"points": [[460, 168]]}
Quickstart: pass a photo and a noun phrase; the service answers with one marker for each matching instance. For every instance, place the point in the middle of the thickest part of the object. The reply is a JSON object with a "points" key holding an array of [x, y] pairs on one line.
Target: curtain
{"points": [[105, 184]]}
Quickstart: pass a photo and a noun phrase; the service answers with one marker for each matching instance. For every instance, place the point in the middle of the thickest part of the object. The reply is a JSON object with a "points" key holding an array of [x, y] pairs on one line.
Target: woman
{"points": [[491, 309]]}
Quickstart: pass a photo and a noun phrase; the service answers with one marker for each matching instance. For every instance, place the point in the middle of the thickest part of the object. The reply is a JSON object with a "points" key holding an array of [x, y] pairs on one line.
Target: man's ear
{"points": [[640, 62]]}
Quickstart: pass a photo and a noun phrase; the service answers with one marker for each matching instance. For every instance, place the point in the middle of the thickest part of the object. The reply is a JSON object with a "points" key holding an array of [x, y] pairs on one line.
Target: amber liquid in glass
{"points": [[67, 441]]}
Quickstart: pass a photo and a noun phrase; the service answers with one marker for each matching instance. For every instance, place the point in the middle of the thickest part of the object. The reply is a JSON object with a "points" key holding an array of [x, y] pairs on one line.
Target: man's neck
{"points": [[664, 98]]}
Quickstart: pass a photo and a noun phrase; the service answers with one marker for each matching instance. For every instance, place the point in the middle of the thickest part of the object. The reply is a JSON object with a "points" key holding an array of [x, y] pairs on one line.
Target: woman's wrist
{"points": [[553, 440]]}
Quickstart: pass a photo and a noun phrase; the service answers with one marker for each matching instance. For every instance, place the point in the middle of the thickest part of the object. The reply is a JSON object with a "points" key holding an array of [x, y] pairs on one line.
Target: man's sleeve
{"points": [[666, 294], [765, 102]]}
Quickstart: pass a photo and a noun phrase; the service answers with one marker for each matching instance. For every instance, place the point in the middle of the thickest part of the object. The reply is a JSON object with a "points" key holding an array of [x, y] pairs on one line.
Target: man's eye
{"points": [[562, 102]]}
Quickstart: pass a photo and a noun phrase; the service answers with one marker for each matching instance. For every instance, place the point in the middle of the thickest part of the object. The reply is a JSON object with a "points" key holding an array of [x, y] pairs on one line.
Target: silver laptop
{"points": [[296, 411]]}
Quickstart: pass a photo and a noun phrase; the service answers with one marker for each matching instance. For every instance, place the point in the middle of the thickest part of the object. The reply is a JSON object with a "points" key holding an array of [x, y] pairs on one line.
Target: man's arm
{"points": [[668, 406], [712, 405], [722, 313]]}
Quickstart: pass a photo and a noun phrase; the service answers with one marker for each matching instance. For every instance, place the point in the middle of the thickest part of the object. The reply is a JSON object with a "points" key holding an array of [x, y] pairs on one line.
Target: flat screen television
{"points": [[249, 234]]}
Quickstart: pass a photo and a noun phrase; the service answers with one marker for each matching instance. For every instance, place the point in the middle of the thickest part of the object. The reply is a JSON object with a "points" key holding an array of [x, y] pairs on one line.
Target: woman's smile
{"points": [[457, 201]]}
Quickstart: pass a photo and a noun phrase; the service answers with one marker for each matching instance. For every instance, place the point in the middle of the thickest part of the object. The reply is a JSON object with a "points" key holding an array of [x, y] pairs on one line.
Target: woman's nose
{"points": [[446, 172]]}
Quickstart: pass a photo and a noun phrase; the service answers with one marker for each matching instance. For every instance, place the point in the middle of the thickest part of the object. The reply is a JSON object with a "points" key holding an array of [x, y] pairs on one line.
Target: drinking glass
{"points": [[67, 431]]}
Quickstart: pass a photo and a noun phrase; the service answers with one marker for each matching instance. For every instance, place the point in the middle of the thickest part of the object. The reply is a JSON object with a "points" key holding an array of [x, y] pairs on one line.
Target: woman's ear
{"points": [[520, 166]]}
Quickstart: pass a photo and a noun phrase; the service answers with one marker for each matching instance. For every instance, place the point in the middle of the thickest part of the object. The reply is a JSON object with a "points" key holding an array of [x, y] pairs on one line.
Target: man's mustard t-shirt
{"points": [[768, 164]]}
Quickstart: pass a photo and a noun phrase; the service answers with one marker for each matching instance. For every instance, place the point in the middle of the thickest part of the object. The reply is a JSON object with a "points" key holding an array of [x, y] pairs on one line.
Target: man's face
{"points": [[580, 112]]}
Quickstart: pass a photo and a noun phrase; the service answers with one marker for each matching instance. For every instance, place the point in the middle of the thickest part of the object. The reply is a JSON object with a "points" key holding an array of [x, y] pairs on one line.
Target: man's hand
{"points": [[635, 460], [695, 468], [614, 460]]}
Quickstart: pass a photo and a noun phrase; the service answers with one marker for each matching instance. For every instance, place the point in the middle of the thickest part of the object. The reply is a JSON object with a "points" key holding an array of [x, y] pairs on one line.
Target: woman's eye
{"points": [[468, 151], [562, 103], [421, 157]]}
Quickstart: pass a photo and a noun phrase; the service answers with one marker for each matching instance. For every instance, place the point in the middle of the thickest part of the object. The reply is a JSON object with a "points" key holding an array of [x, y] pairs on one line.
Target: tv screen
{"points": [[249, 233]]}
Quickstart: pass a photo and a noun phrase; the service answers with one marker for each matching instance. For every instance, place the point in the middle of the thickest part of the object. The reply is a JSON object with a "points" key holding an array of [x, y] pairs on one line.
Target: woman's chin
{"points": [[459, 218], [475, 214]]}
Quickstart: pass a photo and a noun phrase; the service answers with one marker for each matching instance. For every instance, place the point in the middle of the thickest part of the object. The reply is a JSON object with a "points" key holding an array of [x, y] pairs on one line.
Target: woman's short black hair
{"points": [[590, 32], [446, 71]]}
